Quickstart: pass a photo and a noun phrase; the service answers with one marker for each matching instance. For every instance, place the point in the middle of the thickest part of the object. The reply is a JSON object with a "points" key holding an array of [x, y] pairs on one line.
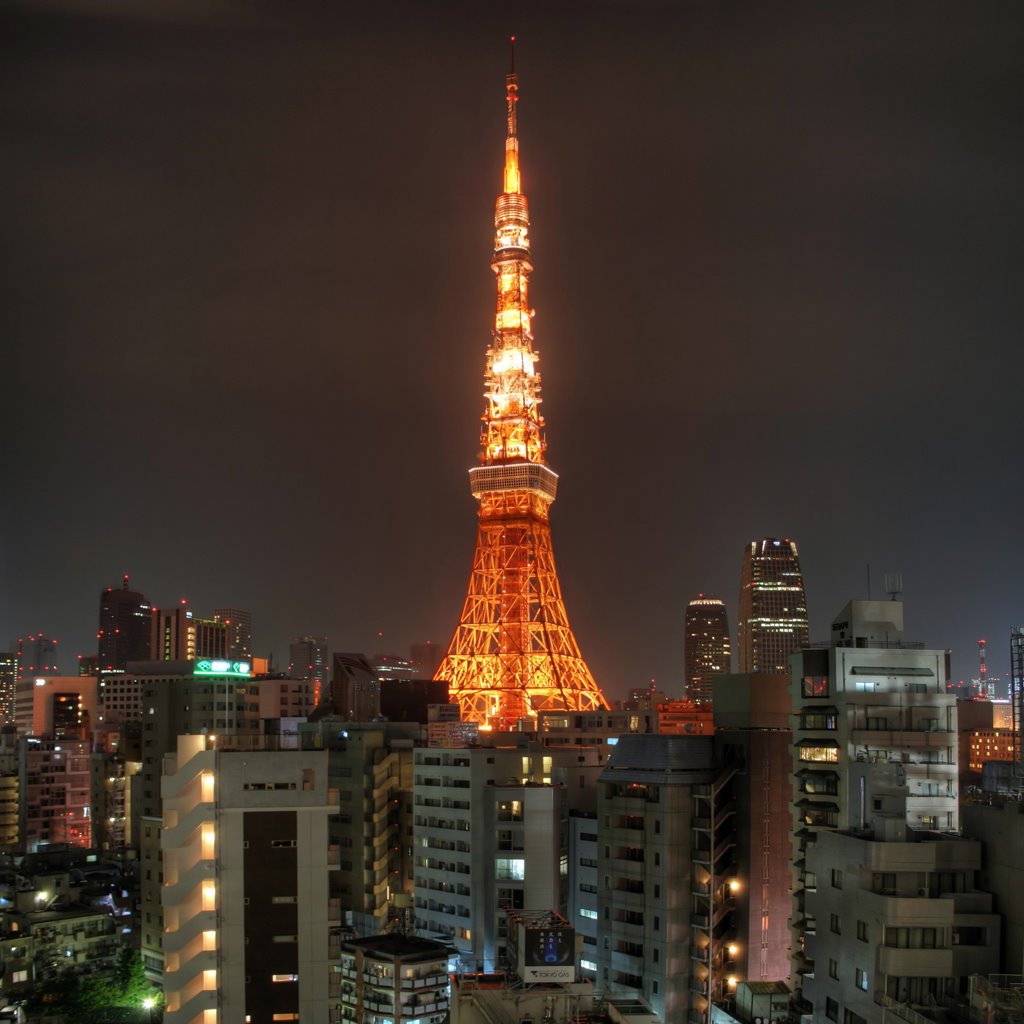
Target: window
{"points": [[862, 931], [825, 751], [587, 912], [860, 977], [837, 878], [833, 969], [815, 686], [284, 977], [834, 924], [831, 1009], [849, 1017]]}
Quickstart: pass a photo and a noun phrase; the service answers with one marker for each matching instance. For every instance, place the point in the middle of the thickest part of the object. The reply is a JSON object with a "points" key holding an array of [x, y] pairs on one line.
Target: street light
{"points": [[147, 1004]]}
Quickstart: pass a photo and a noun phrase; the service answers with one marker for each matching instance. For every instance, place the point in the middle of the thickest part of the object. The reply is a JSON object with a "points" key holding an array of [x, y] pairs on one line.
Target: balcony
{"points": [[917, 963]]}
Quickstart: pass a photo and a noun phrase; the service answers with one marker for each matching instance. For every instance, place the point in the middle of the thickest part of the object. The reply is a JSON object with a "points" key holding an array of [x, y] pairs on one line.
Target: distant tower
{"points": [[708, 653], [983, 683], [307, 659], [513, 653], [239, 632], [773, 609], [126, 626]]}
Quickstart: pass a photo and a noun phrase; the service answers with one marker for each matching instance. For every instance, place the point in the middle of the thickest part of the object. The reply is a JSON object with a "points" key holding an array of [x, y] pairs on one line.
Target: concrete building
{"points": [[753, 737], [870, 697], [111, 800], [491, 833], [899, 918], [56, 705], [54, 779], [355, 688], [1000, 829], [660, 881], [371, 767], [394, 978], [246, 900], [772, 609]]}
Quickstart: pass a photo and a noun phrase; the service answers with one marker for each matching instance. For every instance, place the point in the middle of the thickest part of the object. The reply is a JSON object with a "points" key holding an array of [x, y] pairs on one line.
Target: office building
{"points": [[239, 625], [174, 634], [54, 779], [1017, 688], [56, 706], [707, 650], [125, 628], [246, 865], [307, 659], [409, 700], [355, 689], [773, 609], [36, 656], [212, 638], [8, 686], [490, 834]]}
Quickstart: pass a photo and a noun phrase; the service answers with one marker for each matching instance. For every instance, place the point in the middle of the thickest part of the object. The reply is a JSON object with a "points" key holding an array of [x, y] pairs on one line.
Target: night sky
{"points": [[247, 296]]}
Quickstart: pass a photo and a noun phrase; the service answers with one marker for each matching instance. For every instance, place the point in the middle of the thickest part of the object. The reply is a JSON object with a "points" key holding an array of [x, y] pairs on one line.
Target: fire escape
{"points": [[713, 896]]}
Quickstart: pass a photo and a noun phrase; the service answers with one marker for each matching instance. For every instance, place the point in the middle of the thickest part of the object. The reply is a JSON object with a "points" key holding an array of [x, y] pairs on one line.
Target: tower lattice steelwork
{"points": [[513, 653]]}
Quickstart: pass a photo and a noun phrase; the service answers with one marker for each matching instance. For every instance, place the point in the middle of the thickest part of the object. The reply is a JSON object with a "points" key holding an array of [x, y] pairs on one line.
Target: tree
{"points": [[129, 984]]}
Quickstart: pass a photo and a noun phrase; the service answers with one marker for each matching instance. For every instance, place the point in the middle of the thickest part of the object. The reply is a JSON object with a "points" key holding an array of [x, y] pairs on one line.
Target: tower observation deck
{"points": [[513, 653]]}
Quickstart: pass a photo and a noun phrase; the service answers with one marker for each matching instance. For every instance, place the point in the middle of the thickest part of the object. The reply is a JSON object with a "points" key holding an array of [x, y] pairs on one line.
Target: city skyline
{"points": [[242, 394]]}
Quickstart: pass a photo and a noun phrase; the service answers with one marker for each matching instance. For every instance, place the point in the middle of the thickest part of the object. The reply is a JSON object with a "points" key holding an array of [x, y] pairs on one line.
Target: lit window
{"points": [[284, 977]]}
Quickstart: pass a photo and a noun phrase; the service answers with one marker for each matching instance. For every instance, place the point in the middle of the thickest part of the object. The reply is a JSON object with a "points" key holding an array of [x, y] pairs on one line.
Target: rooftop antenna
{"points": [[893, 585]]}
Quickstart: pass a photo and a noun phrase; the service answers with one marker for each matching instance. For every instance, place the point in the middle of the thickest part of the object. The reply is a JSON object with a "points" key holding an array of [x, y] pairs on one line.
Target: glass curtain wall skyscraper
{"points": [[773, 609]]}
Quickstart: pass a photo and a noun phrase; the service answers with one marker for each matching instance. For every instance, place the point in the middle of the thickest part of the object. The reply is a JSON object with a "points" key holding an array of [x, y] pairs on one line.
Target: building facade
{"points": [[125, 627], [773, 609], [246, 862], [707, 652]]}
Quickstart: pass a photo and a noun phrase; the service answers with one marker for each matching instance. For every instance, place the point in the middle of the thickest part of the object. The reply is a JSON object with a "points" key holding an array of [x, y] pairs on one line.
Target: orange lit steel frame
{"points": [[513, 653]]}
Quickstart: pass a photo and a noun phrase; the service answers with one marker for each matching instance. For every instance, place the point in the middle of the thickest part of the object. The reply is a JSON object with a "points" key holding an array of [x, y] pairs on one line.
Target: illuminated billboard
{"points": [[220, 667], [549, 954]]}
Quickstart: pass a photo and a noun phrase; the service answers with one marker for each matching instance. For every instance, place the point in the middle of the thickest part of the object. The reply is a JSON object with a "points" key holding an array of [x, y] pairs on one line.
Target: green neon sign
{"points": [[220, 667]]}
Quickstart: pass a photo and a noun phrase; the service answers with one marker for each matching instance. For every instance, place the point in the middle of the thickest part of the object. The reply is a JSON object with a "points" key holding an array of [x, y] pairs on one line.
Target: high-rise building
{"points": [[246, 866], [513, 653], [239, 631], [1017, 688], [174, 634], [307, 659], [773, 609], [212, 638], [708, 652], [37, 656], [8, 686], [126, 627]]}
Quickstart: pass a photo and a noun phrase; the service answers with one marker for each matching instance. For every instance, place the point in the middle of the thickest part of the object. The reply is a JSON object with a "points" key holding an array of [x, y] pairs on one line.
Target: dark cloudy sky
{"points": [[246, 300]]}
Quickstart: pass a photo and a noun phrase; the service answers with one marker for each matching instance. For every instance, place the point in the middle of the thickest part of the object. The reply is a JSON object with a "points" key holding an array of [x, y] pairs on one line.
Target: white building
{"points": [[246, 902]]}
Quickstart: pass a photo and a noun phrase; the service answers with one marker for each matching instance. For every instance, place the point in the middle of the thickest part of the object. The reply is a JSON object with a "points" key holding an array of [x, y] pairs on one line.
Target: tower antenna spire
{"points": [[513, 653]]}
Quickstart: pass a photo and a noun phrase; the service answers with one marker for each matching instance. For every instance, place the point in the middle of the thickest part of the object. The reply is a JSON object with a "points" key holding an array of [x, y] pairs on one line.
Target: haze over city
{"points": [[776, 275]]}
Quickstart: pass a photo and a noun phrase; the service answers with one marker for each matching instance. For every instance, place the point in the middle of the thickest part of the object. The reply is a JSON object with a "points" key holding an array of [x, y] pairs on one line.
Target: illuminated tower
{"points": [[773, 609], [513, 653]]}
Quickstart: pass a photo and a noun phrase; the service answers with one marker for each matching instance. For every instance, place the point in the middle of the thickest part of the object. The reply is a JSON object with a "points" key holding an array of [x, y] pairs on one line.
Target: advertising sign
{"points": [[549, 954]]}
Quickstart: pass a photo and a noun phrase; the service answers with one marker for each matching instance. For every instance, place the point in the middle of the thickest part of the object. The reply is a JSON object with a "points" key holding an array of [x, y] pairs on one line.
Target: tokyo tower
{"points": [[513, 653]]}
